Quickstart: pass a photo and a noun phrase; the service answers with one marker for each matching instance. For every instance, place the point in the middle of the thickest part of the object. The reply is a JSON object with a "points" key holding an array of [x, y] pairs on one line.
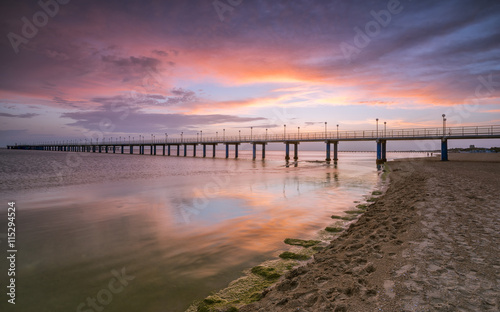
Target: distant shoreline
{"points": [[430, 242]]}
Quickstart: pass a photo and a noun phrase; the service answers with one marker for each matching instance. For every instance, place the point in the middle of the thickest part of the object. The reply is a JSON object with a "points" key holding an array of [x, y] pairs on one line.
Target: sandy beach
{"points": [[430, 243]]}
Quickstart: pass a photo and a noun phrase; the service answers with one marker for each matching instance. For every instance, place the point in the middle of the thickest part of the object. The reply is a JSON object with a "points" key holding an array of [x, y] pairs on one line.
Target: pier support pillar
{"points": [[168, 150], [227, 150], [106, 147], [444, 149], [328, 151], [99, 148], [123, 148], [194, 150], [213, 155], [114, 149], [204, 150], [384, 148], [236, 150], [287, 151], [154, 149], [131, 147], [254, 151], [335, 150], [296, 151], [381, 151], [178, 150], [185, 150], [163, 149], [263, 151]]}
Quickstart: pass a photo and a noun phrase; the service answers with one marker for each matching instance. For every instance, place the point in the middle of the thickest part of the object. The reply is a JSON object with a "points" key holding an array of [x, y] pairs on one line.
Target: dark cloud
{"points": [[160, 53], [27, 115], [181, 96], [145, 62], [120, 117]]}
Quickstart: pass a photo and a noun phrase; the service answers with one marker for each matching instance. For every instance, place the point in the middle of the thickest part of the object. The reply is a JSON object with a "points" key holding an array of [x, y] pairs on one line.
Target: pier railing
{"points": [[385, 134]]}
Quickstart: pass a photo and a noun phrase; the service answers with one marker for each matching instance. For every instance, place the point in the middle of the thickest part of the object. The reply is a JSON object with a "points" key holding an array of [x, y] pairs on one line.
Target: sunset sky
{"points": [[119, 68]]}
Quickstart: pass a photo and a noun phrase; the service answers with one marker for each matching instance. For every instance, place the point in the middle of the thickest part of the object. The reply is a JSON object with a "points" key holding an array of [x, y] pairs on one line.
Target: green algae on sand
{"points": [[333, 229], [294, 256], [301, 242], [266, 272]]}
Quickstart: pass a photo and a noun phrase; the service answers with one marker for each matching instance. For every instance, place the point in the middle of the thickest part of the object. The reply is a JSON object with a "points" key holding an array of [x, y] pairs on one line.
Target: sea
{"points": [[112, 232]]}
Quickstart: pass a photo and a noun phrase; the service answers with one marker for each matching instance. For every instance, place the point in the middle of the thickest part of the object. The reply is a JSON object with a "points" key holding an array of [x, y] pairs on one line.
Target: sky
{"points": [[76, 70]]}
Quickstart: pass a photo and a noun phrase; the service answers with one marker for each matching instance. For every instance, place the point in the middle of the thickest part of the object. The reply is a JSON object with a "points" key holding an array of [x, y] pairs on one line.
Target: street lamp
{"points": [[201, 135], [251, 133], [385, 129], [444, 124], [166, 138], [325, 129], [284, 132], [266, 134], [377, 127], [298, 133], [182, 133], [239, 134], [337, 131], [216, 135], [223, 134]]}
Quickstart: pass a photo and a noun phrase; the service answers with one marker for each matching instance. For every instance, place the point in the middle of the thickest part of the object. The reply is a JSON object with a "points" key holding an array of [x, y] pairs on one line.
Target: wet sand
{"points": [[430, 243]]}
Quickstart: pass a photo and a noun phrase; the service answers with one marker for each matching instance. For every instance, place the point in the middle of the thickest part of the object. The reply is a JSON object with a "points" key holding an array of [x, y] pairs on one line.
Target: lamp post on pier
{"points": [[385, 129], [325, 130], [444, 124], [377, 127], [251, 133], [337, 131]]}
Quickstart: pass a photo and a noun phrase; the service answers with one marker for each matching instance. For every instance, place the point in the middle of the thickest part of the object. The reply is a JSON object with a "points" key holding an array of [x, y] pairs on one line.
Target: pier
{"points": [[380, 137]]}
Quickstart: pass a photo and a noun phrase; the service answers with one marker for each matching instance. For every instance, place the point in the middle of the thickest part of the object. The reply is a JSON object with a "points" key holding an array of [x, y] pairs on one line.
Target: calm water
{"points": [[177, 228]]}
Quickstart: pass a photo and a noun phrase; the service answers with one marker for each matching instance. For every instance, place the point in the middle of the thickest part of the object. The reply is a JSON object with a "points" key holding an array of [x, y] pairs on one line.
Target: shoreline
{"points": [[250, 286], [431, 242]]}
